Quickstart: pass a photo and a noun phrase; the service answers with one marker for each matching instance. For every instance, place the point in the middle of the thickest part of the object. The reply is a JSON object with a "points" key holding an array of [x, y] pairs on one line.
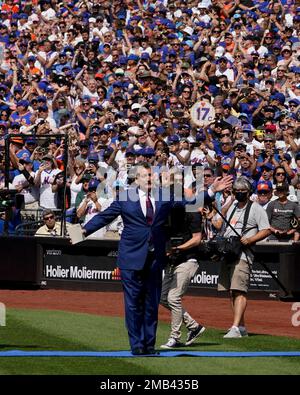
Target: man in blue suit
{"points": [[141, 254]]}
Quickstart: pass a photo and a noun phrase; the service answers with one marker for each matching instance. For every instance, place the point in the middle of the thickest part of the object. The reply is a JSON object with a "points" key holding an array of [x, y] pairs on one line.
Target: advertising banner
{"points": [[60, 265]]}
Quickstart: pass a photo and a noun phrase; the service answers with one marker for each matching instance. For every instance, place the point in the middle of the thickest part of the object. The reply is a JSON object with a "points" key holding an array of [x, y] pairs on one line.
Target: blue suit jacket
{"points": [[134, 243]]}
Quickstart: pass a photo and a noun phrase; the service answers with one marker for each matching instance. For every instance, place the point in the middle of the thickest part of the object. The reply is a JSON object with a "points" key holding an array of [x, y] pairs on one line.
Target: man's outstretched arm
{"points": [[103, 218]]}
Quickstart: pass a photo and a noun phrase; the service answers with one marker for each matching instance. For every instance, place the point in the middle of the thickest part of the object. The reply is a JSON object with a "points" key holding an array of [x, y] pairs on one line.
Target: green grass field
{"points": [[56, 330]]}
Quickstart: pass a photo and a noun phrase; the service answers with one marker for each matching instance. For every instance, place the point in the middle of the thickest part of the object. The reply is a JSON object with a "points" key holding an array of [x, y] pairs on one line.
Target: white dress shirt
{"points": [[143, 198]]}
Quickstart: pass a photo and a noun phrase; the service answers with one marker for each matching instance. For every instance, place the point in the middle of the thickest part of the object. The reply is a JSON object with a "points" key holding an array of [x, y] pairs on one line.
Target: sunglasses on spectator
{"points": [[207, 175], [49, 217], [280, 174]]}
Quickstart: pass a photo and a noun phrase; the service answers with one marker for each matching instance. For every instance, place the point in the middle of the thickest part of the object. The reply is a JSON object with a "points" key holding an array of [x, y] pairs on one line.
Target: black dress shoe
{"points": [[151, 351], [138, 351]]}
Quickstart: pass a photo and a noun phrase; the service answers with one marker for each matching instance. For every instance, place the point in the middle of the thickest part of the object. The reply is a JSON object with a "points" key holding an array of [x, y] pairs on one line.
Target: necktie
{"points": [[149, 211]]}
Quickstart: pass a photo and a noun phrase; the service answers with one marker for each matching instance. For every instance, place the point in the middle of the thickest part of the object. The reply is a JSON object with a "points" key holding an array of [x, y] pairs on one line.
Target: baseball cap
{"points": [[149, 151], [269, 109], [266, 166], [117, 84], [130, 152], [93, 184], [173, 139], [243, 115], [279, 97], [266, 67], [227, 103], [145, 56], [24, 103], [133, 57], [144, 74], [248, 127], [25, 160], [18, 88], [31, 140], [48, 157], [294, 101], [270, 128], [84, 143], [17, 140], [93, 158], [15, 125], [264, 186], [240, 145], [225, 167], [95, 130], [119, 71], [143, 110], [135, 106]]}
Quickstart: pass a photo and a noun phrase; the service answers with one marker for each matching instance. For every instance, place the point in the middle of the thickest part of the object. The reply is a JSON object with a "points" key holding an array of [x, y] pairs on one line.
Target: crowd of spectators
{"points": [[116, 80]]}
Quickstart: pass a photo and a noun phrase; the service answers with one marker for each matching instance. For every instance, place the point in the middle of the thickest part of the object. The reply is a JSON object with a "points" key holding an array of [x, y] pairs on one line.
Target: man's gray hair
{"points": [[48, 211], [242, 183]]}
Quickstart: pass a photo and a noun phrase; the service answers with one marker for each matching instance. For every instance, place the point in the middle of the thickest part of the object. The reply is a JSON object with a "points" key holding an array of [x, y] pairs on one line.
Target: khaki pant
{"points": [[174, 286], [234, 276]]}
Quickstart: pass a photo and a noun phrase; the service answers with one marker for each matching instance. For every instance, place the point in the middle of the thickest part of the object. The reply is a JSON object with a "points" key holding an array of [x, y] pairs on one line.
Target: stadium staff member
{"points": [[141, 254], [181, 268], [235, 273]]}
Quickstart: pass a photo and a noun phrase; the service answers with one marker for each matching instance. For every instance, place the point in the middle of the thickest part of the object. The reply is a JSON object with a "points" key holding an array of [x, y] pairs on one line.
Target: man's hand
{"points": [[221, 183], [246, 241]]}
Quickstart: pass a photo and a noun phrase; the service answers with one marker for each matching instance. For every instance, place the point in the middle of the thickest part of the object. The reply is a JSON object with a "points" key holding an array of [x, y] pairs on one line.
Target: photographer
{"points": [[180, 270], [251, 222]]}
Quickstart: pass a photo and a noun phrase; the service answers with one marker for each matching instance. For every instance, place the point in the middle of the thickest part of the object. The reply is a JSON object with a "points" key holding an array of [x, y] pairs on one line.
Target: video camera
{"points": [[221, 249], [11, 198]]}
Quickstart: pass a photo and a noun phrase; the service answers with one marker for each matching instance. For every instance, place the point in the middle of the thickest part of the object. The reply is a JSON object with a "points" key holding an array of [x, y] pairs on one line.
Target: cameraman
{"points": [[180, 270], [234, 273]]}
